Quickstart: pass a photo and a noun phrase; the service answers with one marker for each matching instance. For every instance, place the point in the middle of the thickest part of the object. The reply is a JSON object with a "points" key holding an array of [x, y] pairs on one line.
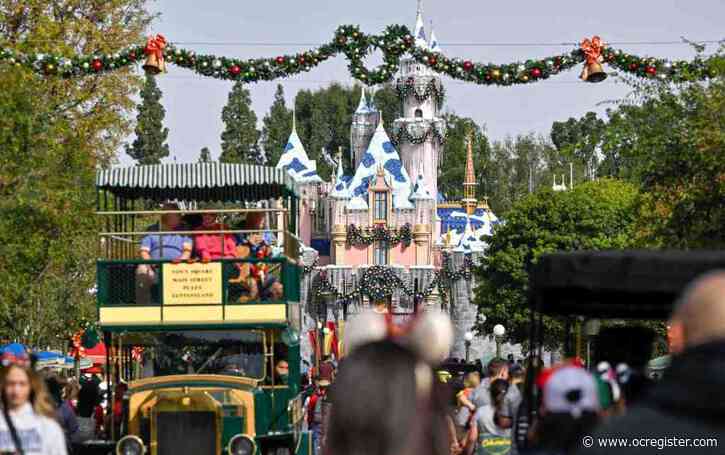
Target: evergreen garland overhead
{"points": [[394, 42], [358, 236]]}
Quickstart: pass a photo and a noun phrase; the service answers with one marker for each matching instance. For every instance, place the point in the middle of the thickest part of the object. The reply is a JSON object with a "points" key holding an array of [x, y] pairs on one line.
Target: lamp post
{"points": [[498, 332], [468, 338]]}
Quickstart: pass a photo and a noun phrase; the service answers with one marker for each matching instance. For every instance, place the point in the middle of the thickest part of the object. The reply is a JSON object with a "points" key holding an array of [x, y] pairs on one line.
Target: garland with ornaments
{"points": [[394, 42], [421, 89], [363, 236], [379, 282], [402, 134]]}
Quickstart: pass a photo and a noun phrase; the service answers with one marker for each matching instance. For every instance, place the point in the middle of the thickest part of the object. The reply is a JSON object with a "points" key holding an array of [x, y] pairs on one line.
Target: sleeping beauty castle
{"points": [[382, 235]]}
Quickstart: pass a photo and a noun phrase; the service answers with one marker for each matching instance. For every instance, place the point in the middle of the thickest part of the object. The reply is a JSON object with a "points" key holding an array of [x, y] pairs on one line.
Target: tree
{"points": [[240, 135], [670, 142], [597, 215], [324, 118], [518, 166], [277, 128], [205, 155], [452, 168], [577, 141], [150, 145], [54, 133]]}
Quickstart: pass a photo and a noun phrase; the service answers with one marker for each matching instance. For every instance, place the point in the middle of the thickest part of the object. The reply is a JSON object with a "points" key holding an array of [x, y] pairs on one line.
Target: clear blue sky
{"points": [[194, 103]]}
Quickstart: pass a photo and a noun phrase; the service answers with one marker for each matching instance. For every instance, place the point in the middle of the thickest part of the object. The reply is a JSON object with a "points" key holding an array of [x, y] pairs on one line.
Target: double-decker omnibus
{"points": [[199, 304]]}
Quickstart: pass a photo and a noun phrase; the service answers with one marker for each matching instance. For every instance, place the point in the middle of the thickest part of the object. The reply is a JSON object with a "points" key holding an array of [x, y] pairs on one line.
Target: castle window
{"points": [[380, 212], [380, 253], [418, 113]]}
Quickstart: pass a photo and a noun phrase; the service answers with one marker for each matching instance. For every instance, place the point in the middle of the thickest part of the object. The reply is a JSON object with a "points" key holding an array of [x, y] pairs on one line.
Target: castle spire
{"points": [[419, 33], [433, 44], [362, 107], [469, 182]]}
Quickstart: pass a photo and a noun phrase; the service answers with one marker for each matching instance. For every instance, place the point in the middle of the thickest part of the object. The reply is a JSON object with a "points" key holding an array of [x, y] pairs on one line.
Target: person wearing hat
{"points": [[687, 406], [569, 411]]}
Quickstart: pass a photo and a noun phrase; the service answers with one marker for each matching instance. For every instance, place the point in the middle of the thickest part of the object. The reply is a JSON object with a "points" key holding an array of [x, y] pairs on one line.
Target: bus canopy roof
{"points": [[227, 182], [616, 284]]}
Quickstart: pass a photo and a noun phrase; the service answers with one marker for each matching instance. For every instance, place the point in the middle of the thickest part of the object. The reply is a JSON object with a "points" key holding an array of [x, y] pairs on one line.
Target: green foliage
{"points": [[150, 145], [53, 135], [453, 161], [324, 118], [205, 155], [671, 143], [596, 215], [277, 128], [240, 135], [577, 141]]}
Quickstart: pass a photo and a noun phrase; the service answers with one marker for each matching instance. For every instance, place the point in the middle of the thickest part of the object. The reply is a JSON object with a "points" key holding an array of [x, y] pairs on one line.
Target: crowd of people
{"points": [[384, 403], [253, 280], [49, 414]]}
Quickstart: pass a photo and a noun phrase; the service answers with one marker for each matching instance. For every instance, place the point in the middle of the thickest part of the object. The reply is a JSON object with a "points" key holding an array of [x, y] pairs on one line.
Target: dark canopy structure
{"points": [[197, 181], [616, 284]]}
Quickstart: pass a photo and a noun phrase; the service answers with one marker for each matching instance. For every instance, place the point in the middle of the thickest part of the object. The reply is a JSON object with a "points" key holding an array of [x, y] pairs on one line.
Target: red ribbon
{"points": [[155, 45], [592, 49]]}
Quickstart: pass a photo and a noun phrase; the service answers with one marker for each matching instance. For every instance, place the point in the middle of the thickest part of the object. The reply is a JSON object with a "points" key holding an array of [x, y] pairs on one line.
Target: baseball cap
{"points": [[571, 390]]}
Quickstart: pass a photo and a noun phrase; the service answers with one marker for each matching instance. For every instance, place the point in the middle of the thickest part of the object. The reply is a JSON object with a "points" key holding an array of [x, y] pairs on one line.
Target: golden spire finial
{"points": [[469, 181]]}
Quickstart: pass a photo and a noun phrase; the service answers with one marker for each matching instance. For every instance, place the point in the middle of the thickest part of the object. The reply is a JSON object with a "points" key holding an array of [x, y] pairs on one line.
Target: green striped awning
{"points": [[197, 181]]}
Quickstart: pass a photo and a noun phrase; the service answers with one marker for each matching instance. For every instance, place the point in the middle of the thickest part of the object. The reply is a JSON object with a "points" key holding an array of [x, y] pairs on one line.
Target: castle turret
{"points": [[364, 121], [419, 133]]}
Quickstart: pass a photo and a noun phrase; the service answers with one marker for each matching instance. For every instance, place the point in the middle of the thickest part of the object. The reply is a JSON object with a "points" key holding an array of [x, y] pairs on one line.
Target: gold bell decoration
{"points": [[154, 51], [592, 49]]}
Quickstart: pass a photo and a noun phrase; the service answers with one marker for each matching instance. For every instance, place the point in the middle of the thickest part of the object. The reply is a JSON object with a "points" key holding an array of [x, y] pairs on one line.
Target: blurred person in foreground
{"points": [[689, 401], [28, 419], [386, 400]]}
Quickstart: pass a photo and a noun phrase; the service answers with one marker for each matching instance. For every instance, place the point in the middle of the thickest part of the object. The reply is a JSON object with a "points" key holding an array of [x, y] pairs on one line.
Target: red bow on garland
{"points": [[592, 49], [137, 353], [156, 45]]}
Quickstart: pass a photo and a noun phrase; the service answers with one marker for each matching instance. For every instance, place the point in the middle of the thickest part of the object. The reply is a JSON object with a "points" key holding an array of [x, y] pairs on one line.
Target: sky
{"points": [[245, 29]]}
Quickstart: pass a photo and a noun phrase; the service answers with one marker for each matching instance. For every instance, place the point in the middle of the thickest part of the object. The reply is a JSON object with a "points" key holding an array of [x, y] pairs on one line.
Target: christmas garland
{"points": [[402, 134], [431, 88], [394, 42], [357, 236], [378, 282]]}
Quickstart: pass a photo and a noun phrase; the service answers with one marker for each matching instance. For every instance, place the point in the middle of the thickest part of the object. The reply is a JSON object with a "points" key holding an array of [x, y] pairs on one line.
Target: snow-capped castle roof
{"points": [[382, 153], [340, 190], [295, 161], [420, 191]]}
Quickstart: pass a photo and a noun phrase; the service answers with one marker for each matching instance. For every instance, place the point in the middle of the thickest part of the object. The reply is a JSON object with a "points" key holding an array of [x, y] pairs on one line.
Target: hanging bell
{"points": [[593, 72], [154, 64]]}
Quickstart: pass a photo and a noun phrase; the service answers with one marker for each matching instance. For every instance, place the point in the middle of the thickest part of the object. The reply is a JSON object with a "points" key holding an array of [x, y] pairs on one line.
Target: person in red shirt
{"points": [[315, 417], [214, 246]]}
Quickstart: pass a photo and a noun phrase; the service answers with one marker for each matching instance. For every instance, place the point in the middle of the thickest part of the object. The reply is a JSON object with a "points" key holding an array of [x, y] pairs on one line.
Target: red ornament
{"points": [[235, 70], [301, 60], [97, 65], [467, 65], [536, 72], [651, 70], [632, 66], [132, 56], [280, 60], [432, 60]]}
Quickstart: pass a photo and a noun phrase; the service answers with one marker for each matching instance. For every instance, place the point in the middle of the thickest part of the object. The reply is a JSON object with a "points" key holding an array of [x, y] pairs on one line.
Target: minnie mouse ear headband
{"points": [[429, 335]]}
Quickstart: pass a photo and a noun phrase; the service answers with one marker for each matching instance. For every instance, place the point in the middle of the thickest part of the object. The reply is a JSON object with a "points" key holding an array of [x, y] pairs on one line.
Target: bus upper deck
{"points": [[205, 244]]}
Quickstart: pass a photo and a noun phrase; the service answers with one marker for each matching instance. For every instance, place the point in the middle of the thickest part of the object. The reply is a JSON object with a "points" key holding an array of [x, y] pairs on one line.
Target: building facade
{"points": [[385, 217]]}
